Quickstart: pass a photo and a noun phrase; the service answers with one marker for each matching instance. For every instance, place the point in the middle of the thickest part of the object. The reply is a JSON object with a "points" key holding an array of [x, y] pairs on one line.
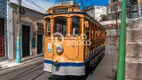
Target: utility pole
{"points": [[122, 45], [139, 8], [94, 12], [18, 52]]}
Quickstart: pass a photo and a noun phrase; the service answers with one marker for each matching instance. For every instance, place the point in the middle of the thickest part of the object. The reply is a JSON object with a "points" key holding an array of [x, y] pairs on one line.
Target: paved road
{"points": [[104, 70]]}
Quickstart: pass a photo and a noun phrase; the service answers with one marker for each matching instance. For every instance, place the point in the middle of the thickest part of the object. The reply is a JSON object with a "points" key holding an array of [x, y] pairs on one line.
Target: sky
{"points": [[43, 5], [86, 2]]}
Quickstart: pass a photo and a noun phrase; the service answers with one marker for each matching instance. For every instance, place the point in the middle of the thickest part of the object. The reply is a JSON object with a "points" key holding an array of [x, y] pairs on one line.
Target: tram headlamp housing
{"points": [[59, 49]]}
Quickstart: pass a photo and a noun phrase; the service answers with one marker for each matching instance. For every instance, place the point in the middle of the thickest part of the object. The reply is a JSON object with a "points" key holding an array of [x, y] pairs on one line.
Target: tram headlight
{"points": [[59, 49]]}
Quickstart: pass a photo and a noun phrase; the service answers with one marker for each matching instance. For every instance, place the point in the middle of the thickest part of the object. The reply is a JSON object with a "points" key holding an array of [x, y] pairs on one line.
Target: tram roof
{"points": [[62, 6], [75, 12]]}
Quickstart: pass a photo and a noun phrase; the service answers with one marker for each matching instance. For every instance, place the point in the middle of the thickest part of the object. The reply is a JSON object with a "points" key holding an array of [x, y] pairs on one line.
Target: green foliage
{"points": [[104, 17]]}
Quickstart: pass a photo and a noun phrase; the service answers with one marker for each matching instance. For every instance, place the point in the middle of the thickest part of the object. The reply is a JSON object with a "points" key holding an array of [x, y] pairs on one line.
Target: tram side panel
{"points": [[95, 50]]}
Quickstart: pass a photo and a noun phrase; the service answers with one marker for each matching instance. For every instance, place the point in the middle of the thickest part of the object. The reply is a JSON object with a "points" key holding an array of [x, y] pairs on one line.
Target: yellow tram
{"points": [[72, 40]]}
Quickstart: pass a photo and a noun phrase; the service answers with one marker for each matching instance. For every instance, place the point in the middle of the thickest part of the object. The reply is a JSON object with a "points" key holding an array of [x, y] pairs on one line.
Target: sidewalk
{"points": [[8, 66], [107, 66]]}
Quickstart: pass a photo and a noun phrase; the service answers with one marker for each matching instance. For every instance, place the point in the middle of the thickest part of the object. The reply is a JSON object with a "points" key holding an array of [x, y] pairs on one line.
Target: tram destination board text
{"points": [[65, 10]]}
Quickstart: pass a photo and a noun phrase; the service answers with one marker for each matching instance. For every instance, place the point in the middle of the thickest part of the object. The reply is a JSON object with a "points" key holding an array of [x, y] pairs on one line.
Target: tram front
{"points": [[63, 46]]}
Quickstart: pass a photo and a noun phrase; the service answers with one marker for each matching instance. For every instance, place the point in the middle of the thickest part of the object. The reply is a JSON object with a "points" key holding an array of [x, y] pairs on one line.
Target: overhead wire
{"points": [[31, 1], [28, 5], [31, 7], [83, 5], [37, 5], [36, 1]]}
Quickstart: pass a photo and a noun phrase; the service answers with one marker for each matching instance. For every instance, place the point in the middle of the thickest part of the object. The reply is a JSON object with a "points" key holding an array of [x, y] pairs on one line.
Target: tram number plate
{"points": [[65, 10]]}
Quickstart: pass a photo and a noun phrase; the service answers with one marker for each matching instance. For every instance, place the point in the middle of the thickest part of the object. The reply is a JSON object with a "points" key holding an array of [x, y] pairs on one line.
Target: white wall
{"points": [[100, 10], [10, 32]]}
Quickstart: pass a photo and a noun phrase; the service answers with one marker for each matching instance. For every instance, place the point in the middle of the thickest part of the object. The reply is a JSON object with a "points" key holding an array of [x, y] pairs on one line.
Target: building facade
{"points": [[114, 10], [31, 32], [134, 9], [96, 11], [3, 29]]}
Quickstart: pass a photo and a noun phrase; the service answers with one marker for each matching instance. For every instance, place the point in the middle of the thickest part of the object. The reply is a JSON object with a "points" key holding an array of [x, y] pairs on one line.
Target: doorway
{"points": [[2, 49], [39, 44], [25, 41], [40, 38]]}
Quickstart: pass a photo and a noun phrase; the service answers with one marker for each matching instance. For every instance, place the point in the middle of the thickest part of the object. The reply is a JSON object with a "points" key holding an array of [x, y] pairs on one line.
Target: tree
{"points": [[104, 17]]}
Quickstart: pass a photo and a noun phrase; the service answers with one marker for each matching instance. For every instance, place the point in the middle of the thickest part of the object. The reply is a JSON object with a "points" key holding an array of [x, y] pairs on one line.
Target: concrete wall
{"points": [[97, 11], [100, 10], [134, 50]]}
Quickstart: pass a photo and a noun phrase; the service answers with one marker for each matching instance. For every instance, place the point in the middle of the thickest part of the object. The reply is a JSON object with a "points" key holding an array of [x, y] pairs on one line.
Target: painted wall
{"points": [[30, 18], [100, 10], [97, 11]]}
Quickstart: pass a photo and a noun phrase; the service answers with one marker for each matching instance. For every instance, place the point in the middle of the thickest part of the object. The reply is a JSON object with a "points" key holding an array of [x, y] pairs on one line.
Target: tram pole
{"points": [[18, 52], [122, 45]]}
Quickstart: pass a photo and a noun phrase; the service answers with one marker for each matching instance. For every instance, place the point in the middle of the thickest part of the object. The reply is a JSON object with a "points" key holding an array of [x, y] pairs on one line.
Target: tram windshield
{"points": [[48, 30], [60, 25], [75, 25]]}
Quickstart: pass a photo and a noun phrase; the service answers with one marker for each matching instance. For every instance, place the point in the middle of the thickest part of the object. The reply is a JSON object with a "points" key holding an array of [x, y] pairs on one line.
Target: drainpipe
{"points": [[18, 52], [139, 9], [122, 46]]}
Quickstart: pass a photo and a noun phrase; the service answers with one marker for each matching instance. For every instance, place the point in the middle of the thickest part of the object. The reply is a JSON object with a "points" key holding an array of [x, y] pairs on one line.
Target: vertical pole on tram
{"points": [[18, 52], [122, 45]]}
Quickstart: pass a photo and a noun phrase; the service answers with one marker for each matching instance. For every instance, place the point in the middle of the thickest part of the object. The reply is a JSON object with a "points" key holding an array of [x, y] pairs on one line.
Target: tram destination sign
{"points": [[63, 10]]}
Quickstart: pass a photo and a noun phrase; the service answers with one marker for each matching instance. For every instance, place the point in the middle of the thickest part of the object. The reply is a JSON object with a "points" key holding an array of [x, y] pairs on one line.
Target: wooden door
{"points": [[2, 50], [25, 41], [39, 44]]}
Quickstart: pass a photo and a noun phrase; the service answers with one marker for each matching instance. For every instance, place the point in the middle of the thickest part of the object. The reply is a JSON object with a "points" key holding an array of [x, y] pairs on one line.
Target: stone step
{"points": [[133, 60], [134, 55], [134, 49], [132, 78], [134, 24], [134, 36], [133, 71]]}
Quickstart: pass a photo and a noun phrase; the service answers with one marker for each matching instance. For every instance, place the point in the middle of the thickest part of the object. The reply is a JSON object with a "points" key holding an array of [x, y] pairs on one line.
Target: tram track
{"points": [[38, 75], [26, 72], [16, 68]]}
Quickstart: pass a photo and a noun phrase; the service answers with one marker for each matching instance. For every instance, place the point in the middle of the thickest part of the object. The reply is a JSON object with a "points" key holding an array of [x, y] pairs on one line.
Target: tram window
{"points": [[75, 25], [48, 27], [60, 25], [86, 30]]}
